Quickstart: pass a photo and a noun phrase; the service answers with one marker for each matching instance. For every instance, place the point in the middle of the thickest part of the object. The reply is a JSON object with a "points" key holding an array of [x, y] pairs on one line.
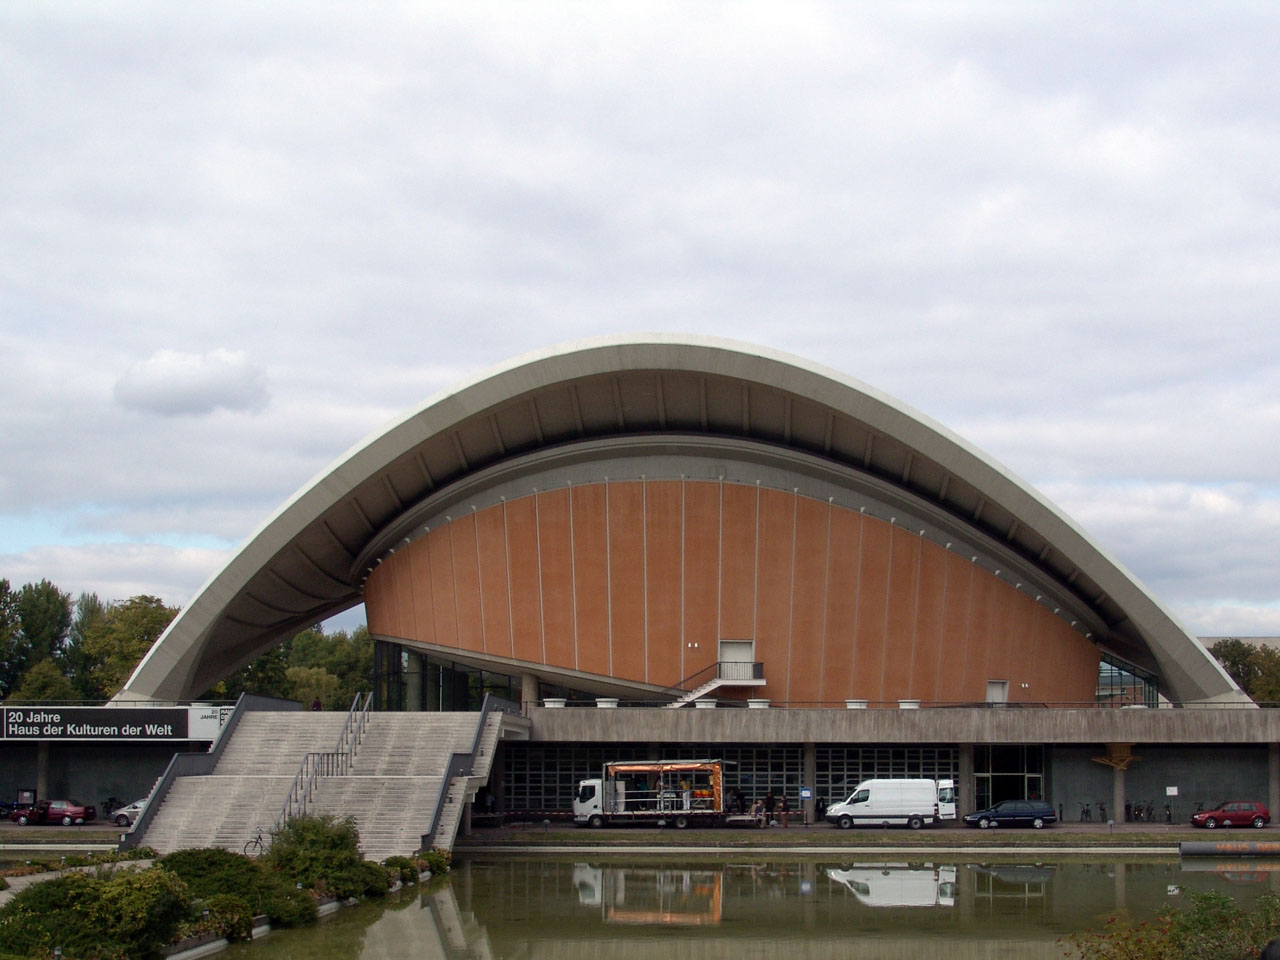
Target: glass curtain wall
{"points": [[840, 768], [1007, 772], [1122, 684], [433, 683]]}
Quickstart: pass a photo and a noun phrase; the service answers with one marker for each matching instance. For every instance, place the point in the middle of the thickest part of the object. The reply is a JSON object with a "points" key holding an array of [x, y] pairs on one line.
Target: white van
{"points": [[885, 802]]}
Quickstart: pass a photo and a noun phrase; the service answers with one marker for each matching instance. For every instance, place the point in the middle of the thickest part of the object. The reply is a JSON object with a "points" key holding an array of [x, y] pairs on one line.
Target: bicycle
{"points": [[257, 846]]}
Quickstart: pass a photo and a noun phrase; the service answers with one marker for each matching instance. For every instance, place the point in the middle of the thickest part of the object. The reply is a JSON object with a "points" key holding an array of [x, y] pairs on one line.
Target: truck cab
{"points": [[588, 804]]}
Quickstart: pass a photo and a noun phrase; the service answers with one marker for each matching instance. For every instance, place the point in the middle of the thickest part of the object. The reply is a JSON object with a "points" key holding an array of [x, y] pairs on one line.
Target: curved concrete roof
{"points": [[308, 561]]}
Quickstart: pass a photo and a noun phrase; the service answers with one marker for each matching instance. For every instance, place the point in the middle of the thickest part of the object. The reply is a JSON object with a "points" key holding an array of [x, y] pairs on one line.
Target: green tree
{"points": [[333, 666], [1266, 685], [1239, 659], [76, 663], [117, 642], [44, 616], [12, 650], [264, 677], [44, 683], [349, 657], [308, 683]]}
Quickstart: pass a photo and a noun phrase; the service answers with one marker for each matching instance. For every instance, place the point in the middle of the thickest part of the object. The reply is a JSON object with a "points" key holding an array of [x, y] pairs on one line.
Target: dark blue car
{"points": [[1013, 813]]}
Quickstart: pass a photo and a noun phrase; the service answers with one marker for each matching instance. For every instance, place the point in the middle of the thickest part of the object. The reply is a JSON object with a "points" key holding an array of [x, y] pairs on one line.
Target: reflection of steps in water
{"points": [[430, 928]]}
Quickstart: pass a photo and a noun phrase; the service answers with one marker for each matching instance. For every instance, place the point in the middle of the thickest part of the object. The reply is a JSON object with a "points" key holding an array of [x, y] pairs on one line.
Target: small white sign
{"points": [[1170, 791]]}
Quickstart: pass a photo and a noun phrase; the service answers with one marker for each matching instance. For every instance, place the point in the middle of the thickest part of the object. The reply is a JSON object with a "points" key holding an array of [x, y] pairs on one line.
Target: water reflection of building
{"points": [[539, 910], [643, 895]]}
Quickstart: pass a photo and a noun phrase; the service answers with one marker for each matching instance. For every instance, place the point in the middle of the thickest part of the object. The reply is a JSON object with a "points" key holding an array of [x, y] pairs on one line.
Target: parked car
{"points": [[65, 812], [1014, 813], [123, 816], [1233, 813]]}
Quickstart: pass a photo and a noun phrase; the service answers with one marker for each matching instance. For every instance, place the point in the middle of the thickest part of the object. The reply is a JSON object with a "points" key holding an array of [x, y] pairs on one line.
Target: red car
{"points": [[65, 812], [1233, 813]]}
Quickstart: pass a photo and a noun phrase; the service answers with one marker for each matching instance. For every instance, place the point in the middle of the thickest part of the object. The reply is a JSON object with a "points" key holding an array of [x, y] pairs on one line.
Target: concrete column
{"points": [[966, 893], [528, 692], [413, 682], [809, 777], [1117, 796], [1273, 778], [968, 785], [432, 682], [466, 817], [42, 769], [809, 887]]}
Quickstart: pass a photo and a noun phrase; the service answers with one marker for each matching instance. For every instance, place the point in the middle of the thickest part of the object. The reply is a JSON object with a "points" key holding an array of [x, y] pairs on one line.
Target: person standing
{"points": [[784, 808]]}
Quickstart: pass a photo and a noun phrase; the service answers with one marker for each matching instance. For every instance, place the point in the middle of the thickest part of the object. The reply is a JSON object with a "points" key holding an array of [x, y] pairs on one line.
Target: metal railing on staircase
{"points": [[712, 676], [198, 764], [328, 763], [461, 764]]}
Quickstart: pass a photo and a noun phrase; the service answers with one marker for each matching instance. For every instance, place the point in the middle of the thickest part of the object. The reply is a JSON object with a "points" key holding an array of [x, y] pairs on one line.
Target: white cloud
{"points": [[172, 383], [1055, 234], [117, 571]]}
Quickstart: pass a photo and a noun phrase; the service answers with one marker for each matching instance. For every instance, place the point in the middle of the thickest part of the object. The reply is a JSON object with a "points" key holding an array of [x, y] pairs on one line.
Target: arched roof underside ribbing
{"points": [[601, 398]]}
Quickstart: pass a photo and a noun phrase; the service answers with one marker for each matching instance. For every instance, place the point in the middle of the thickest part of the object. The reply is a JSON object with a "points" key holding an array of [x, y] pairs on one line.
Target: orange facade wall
{"points": [[640, 580]]}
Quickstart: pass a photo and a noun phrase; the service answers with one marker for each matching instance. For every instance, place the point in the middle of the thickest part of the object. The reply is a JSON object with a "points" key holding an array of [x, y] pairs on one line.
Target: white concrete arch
{"points": [[581, 401]]}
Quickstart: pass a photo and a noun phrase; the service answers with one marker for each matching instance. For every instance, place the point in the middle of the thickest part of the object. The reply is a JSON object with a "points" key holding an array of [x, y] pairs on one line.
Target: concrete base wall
{"points": [[1201, 774], [88, 772]]}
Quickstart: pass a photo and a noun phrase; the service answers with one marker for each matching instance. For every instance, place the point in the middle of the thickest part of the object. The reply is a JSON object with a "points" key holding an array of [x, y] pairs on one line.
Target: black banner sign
{"points": [[93, 723]]}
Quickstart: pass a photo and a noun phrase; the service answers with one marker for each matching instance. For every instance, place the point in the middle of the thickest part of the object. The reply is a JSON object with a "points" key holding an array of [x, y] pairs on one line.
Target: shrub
{"points": [[363, 879], [289, 907], [127, 914], [142, 908], [4, 884], [434, 860], [229, 916], [1210, 927], [210, 871], [311, 849], [405, 869]]}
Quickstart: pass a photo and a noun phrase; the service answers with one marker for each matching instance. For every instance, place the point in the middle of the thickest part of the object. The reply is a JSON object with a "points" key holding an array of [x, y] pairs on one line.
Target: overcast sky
{"points": [[237, 238]]}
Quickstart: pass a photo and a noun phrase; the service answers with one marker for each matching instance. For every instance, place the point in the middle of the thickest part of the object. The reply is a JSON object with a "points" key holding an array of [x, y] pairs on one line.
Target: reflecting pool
{"points": [[606, 909]]}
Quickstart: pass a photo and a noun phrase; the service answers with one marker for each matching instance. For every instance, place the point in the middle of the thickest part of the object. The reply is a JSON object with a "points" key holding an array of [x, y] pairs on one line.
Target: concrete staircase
{"points": [[395, 782], [247, 787], [391, 791]]}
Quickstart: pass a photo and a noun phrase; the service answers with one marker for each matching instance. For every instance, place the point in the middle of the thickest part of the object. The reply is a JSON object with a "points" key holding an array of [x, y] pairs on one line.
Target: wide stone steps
{"points": [[391, 788], [391, 813], [216, 811], [274, 744]]}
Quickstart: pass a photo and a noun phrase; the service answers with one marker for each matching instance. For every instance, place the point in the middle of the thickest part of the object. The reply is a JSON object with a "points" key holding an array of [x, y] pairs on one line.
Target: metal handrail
{"points": [[331, 763], [690, 682], [460, 764], [1164, 705], [719, 670], [194, 764]]}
